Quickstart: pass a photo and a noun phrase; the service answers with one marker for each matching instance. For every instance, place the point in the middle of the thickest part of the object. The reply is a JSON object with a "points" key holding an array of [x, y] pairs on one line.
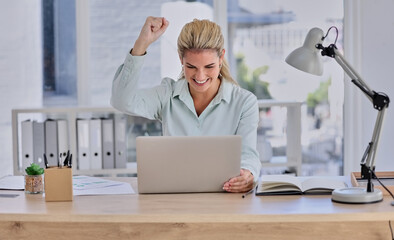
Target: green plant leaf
{"points": [[34, 169]]}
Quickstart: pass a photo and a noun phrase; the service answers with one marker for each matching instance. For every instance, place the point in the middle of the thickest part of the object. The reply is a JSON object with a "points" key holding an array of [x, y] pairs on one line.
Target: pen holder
{"points": [[58, 184]]}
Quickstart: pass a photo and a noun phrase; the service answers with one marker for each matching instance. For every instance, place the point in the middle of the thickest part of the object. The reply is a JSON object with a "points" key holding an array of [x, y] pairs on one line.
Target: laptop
{"points": [[186, 164]]}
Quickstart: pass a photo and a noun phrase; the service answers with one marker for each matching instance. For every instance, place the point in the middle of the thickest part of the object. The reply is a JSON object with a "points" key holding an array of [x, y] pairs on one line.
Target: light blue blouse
{"points": [[233, 111]]}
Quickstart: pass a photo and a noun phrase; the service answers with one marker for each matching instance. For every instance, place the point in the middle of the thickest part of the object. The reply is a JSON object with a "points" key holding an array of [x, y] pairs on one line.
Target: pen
{"points": [[70, 161], [66, 160], [45, 160], [249, 192]]}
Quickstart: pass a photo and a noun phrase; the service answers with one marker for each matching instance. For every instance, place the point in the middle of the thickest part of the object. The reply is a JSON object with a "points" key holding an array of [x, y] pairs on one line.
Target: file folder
{"points": [[95, 140], [83, 144], [38, 143], [108, 143], [51, 142], [26, 143], [63, 143], [120, 141]]}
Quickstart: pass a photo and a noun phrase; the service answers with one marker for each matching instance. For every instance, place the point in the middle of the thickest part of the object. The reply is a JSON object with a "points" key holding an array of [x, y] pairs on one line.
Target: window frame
{"points": [[352, 115], [82, 39]]}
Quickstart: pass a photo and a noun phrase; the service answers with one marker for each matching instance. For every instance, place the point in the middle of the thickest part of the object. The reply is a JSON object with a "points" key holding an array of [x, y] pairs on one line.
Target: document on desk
{"points": [[12, 183], [82, 185], [85, 185]]}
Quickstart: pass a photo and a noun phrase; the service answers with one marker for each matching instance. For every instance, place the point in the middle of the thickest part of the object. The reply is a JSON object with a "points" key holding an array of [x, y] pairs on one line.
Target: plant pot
{"points": [[34, 184]]}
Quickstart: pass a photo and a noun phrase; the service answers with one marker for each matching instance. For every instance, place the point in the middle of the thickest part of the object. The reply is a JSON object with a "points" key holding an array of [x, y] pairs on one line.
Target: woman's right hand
{"points": [[153, 28]]}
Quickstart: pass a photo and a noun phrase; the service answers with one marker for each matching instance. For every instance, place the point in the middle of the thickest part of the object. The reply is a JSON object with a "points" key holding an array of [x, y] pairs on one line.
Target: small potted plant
{"points": [[34, 182]]}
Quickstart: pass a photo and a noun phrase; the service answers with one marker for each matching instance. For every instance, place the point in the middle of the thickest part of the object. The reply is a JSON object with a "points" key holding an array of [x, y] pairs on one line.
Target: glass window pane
{"points": [[59, 52], [261, 35]]}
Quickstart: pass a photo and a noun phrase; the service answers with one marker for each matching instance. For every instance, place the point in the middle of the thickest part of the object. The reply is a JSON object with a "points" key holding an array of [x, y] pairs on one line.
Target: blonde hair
{"points": [[204, 34]]}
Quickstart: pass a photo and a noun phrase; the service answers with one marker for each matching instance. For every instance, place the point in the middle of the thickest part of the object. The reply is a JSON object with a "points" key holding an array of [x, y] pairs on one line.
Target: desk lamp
{"points": [[308, 59]]}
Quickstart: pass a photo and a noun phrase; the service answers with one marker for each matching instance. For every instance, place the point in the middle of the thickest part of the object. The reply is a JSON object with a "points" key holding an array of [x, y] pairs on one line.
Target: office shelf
{"points": [[291, 160], [70, 114]]}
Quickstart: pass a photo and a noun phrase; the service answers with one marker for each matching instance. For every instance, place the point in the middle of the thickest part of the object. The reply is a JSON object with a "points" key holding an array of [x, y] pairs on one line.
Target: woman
{"points": [[205, 100]]}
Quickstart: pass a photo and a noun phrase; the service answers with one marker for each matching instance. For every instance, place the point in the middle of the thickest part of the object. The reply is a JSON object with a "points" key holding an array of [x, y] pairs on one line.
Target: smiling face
{"points": [[202, 68]]}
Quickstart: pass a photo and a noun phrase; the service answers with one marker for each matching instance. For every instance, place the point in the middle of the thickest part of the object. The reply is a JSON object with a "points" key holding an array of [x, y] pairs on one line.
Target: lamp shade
{"points": [[308, 58]]}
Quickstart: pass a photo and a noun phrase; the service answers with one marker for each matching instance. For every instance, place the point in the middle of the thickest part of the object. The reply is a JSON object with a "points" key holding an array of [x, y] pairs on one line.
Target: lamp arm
{"points": [[356, 78], [380, 102], [368, 160]]}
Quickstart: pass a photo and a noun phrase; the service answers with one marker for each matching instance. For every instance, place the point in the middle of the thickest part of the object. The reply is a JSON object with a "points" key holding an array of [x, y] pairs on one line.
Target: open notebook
{"points": [[287, 184]]}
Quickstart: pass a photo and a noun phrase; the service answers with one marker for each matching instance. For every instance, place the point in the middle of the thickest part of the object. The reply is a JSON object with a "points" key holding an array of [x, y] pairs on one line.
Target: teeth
{"points": [[201, 81]]}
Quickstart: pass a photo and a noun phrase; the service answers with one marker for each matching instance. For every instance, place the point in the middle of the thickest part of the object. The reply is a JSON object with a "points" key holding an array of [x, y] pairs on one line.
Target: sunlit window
{"points": [[59, 52], [261, 34]]}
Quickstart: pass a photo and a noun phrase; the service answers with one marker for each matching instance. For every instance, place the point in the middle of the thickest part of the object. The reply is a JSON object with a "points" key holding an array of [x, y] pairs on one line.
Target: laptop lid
{"points": [[186, 163]]}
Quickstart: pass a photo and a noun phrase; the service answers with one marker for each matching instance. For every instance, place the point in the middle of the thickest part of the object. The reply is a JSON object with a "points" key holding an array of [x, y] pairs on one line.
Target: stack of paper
{"points": [[84, 185], [12, 183]]}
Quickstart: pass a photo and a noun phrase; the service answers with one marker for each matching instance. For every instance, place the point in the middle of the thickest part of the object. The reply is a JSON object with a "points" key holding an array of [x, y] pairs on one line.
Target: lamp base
{"points": [[356, 195]]}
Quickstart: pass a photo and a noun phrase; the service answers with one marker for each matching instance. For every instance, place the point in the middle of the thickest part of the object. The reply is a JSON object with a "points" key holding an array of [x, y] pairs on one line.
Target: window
{"points": [[59, 52], [261, 34]]}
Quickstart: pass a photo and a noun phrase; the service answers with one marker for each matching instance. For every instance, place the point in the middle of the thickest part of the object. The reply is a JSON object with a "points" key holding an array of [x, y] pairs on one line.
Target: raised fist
{"points": [[153, 28]]}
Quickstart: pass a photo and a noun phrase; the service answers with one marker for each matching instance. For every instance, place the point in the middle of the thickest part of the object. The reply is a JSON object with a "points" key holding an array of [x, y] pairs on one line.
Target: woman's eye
{"points": [[190, 67]]}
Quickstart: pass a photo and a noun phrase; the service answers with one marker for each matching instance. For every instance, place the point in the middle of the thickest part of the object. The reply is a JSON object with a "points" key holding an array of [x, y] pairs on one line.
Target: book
{"points": [[120, 130], [51, 142], [39, 143], [27, 144], [95, 144], [288, 184], [62, 138], [107, 130], [83, 145]]}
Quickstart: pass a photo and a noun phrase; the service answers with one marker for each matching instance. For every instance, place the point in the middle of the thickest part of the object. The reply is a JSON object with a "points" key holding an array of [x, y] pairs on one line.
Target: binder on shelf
{"points": [[83, 144], [51, 142], [38, 143], [120, 141], [95, 140], [63, 143], [26, 143], [108, 143]]}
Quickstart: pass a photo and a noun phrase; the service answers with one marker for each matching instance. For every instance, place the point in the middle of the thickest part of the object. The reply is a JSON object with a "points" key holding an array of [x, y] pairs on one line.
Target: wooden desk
{"points": [[191, 216]]}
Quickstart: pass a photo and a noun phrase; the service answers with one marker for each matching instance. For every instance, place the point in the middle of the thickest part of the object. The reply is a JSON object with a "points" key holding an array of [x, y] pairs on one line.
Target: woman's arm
{"points": [[250, 162], [126, 96], [247, 128]]}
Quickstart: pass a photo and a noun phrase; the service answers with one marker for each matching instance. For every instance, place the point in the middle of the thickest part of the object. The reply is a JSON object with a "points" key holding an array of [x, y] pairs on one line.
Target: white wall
{"points": [[20, 67], [377, 68], [368, 46]]}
